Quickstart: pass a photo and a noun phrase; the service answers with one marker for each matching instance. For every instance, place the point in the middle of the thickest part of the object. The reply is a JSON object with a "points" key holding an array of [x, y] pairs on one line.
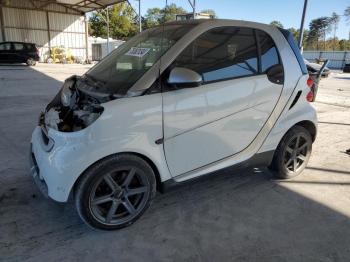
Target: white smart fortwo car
{"points": [[174, 103]]}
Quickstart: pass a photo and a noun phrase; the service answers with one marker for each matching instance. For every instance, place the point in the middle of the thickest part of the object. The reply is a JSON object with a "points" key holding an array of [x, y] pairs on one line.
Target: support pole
{"points": [[86, 40], [107, 22], [194, 9], [193, 5], [301, 30], [140, 25], [2, 25], [48, 32]]}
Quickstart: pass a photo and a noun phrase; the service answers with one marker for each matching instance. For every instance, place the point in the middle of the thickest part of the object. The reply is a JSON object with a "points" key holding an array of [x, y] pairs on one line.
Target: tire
{"points": [[292, 154], [31, 62], [115, 192], [50, 60]]}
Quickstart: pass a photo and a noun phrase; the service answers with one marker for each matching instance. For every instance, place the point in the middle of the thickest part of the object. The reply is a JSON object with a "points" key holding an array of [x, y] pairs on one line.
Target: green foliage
{"points": [[97, 26], [122, 22], [277, 23], [319, 27], [156, 16], [152, 17]]}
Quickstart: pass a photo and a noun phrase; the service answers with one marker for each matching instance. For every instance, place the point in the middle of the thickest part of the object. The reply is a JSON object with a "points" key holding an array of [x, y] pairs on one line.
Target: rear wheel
{"points": [[31, 62], [115, 192], [292, 154]]}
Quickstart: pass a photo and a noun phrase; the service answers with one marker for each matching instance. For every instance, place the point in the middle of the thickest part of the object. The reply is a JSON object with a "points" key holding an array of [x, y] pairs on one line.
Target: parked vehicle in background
{"points": [[174, 103], [316, 78], [19, 52], [314, 68]]}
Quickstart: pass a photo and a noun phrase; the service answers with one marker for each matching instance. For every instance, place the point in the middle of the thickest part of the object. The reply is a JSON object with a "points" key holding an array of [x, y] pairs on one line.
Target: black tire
{"points": [[31, 62], [290, 158], [102, 207]]}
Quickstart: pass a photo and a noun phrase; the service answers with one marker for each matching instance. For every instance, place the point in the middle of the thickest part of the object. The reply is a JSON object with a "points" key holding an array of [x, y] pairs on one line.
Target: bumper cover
{"points": [[35, 173]]}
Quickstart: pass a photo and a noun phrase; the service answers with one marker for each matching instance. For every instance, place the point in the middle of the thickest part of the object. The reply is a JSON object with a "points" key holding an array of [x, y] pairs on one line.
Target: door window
{"points": [[269, 54], [221, 53], [29, 47], [5, 46], [18, 46]]}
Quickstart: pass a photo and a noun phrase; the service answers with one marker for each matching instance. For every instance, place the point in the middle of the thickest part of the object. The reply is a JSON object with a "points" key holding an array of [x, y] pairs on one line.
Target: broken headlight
{"points": [[66, 95]]}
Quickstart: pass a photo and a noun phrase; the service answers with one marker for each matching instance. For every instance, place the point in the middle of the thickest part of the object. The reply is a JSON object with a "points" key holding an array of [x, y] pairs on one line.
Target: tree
{"points": [[152, 17], [97, 25], [122, 22], [347, 17], [210, 12], [170, 11], [334, 21], [156, 16], [277, 23], [319, 28], [347, 14]]}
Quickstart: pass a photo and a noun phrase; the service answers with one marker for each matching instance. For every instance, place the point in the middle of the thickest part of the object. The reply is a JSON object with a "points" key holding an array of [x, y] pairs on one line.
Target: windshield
{"points": [[118, 72]]}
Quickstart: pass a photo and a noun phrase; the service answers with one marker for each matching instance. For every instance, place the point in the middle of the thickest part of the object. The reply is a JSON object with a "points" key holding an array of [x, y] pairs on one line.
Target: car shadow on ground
{"points": [[238, 216]]}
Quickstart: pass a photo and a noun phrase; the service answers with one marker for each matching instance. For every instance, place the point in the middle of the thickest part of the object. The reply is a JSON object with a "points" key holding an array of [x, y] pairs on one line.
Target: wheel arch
{"points": [[143, 157], [309, 126]]}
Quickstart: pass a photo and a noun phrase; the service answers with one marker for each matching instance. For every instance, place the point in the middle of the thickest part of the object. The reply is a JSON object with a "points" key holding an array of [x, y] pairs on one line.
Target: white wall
{"points": [[337, 59]]}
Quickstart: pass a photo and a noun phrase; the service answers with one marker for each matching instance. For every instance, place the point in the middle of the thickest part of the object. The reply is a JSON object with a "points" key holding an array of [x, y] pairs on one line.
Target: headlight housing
{"points": [[66, 95]]}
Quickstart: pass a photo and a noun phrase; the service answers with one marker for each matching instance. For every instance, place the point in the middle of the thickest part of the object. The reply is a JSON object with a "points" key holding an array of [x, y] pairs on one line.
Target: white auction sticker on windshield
{"points": [[137, 51]]}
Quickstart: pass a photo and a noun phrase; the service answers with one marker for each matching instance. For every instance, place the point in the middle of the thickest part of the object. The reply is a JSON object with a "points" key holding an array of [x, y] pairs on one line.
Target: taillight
{"points": [[310, 94], [310, 82]]}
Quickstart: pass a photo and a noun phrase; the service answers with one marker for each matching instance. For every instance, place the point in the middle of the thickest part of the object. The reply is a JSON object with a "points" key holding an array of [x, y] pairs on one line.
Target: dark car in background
{"points": [[19, 52], [315, 68]]}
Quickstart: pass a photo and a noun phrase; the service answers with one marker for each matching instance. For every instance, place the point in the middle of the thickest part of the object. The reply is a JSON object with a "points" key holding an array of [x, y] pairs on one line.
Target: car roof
{"points": [[216, 21]]}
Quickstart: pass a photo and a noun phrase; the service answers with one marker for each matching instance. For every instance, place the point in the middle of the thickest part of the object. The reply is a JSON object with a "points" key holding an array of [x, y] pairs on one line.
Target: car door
{"points": [[5, 52], [19, 53], [222, 116]]}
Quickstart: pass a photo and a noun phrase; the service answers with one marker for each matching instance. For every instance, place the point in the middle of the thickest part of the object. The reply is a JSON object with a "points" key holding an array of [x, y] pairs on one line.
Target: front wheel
{"points": [[292, 154], [115, 192]]}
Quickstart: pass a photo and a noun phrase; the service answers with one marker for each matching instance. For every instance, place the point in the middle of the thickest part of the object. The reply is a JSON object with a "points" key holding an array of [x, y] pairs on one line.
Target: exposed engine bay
{"points": [[72, 109]]}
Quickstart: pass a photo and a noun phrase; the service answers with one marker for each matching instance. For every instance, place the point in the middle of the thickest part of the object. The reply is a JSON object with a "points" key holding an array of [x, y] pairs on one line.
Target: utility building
{"points": [[49, 23]]}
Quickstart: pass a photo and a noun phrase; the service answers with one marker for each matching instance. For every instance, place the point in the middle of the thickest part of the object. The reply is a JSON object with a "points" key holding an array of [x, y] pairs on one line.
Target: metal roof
{"points": [[76, 6], [85, 6]]}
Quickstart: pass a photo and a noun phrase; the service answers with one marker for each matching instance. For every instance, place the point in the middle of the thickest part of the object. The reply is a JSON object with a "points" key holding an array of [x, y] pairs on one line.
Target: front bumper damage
{"points": [[35, 173], [52, 167], [59, 159]]}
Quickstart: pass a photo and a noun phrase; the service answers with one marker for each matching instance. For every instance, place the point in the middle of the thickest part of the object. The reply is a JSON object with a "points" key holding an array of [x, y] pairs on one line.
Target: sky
{"points": [[288, 12]]}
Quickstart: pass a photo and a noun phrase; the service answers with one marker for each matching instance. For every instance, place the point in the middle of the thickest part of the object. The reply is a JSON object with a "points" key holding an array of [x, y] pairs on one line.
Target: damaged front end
{"points": [[72, 109]]}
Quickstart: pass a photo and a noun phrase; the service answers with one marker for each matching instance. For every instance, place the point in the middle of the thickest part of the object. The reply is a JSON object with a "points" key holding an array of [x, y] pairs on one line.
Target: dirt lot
{"points": [[231, 217]]}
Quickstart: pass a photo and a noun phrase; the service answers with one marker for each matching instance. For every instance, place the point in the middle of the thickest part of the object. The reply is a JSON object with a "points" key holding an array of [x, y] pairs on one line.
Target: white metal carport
{"points": [[49, 23]]}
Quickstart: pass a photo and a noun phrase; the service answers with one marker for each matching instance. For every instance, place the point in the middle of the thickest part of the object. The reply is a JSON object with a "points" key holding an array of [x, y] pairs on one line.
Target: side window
{"points": [[27, 47], [221, 53], [5, 46], [269, 54], [18, 46]]}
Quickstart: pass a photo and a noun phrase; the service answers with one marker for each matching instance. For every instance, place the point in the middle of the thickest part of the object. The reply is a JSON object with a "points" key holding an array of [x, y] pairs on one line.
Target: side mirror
{"points": [[184, 77], [276, 74]]}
